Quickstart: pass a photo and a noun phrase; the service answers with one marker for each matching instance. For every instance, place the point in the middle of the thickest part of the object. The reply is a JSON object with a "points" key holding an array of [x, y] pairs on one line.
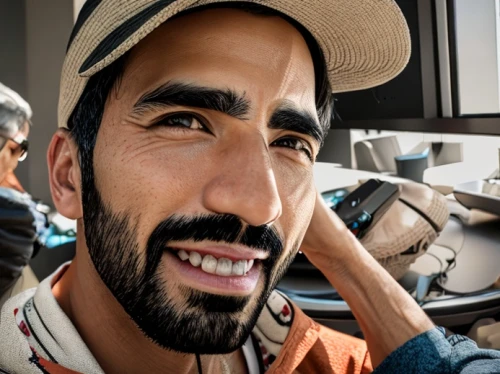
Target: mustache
{"points": [[226, 228]]}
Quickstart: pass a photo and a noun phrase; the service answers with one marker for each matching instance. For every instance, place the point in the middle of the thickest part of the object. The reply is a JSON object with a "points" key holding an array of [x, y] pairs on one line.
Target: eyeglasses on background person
{"points": [[13, 123], [21, 151]]}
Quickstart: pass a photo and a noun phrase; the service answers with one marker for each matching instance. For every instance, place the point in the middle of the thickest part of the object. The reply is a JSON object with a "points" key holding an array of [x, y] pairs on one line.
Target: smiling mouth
{"points": [[213, 265]]}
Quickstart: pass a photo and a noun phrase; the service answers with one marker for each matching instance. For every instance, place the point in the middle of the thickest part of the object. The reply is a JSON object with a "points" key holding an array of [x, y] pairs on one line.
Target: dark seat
{"points": [[48, 260]]}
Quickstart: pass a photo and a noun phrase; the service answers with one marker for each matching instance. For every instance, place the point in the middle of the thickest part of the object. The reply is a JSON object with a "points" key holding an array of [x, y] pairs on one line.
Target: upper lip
{"points": [[234, 252]]}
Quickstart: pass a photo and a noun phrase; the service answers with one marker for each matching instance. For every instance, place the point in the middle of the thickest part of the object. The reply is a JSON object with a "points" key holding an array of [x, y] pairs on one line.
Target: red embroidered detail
{"points": [[15, 311], [24, 328], [263, 349], [285, 311], [267, 359]]}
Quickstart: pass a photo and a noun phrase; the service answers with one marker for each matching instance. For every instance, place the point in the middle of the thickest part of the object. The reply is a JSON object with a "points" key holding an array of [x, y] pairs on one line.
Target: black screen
{"points": [[400, 98]]}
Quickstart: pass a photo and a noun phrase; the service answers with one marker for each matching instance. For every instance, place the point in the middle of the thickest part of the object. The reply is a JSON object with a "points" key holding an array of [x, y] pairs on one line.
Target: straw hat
{"points": [[366, 42]]}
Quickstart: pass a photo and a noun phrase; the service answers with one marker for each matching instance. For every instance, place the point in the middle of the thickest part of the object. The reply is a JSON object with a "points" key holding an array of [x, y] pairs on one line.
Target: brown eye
{"points": [[296, 144], [184, 120]]}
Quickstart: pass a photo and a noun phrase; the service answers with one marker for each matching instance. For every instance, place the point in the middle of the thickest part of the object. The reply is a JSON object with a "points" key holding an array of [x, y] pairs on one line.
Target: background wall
{"points": [[77, 5], [34, 37], [13, 58], [48, 25]]}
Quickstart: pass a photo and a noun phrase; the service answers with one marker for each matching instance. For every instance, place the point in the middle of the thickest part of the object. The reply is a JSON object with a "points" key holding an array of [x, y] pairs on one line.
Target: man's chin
{"points": [[203, 323], [208, 303], [219, 349], [203, 333]]}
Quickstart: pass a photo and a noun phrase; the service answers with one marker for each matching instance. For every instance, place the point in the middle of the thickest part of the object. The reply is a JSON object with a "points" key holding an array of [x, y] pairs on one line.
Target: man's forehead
{"points": [[221, 48], [231, 31], [202, 23]]}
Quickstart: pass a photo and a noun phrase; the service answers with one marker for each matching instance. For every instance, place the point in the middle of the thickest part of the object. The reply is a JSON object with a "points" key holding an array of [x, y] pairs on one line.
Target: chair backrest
{"points": [[365, 159], [378, 154], [447, 153], [441, 153], [27, 280], [48, 260]]}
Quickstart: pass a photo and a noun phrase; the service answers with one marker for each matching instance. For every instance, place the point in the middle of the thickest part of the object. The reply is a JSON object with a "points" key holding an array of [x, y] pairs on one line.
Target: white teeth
{"points": [[183, 255], [239, 267], [195, 259], [209, 264], [249, 265], [224, 267], [212, 265]]}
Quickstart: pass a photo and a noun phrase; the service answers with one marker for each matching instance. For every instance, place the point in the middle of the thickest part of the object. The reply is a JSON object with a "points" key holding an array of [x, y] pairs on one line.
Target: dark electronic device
{"points": [[364, 207], [360, 210]]}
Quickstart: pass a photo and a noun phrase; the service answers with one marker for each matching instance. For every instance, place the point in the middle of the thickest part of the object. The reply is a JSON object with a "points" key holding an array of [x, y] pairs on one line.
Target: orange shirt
{"points": [[313, 348]]}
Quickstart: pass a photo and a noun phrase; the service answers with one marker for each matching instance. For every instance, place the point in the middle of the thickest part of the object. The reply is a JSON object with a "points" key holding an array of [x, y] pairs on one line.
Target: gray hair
{"points": [[14, 111]]}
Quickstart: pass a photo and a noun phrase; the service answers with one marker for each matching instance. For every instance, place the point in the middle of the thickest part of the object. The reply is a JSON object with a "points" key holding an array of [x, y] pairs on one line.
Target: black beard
{"points": [[202, 323]]}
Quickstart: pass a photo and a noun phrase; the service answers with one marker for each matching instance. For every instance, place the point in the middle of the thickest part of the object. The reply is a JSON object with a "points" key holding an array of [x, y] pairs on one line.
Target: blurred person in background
{"points": [[22, 221], [15, 116]]}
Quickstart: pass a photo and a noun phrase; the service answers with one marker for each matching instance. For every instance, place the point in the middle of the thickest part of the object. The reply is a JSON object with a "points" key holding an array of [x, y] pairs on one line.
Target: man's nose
{"points": [[245, 184]]}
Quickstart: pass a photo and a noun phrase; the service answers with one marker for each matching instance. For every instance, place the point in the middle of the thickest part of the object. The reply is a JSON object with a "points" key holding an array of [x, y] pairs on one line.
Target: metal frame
{"points": [[442, 43], [452, 43], [427, 32], [462, 125]]}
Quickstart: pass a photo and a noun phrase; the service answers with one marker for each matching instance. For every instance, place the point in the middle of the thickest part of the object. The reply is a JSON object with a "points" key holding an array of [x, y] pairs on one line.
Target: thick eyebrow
{"points": [[182, 94], [286, 117]]}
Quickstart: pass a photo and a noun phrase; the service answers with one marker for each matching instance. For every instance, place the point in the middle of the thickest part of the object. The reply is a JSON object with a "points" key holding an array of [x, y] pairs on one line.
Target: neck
{"points": [[113, 338]]}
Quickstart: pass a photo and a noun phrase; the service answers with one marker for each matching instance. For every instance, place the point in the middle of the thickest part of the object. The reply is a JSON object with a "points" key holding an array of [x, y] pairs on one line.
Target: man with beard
{"points": [[188, 134]]}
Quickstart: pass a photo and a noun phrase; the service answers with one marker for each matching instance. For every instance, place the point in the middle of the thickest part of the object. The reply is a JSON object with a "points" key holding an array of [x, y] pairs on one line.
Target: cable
{"points": [[441, 265], [198, 362], [452, 263]]}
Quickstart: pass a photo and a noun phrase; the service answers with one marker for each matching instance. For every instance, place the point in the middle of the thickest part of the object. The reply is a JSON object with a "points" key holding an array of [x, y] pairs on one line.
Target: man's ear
{"points": [[64, 174]]}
